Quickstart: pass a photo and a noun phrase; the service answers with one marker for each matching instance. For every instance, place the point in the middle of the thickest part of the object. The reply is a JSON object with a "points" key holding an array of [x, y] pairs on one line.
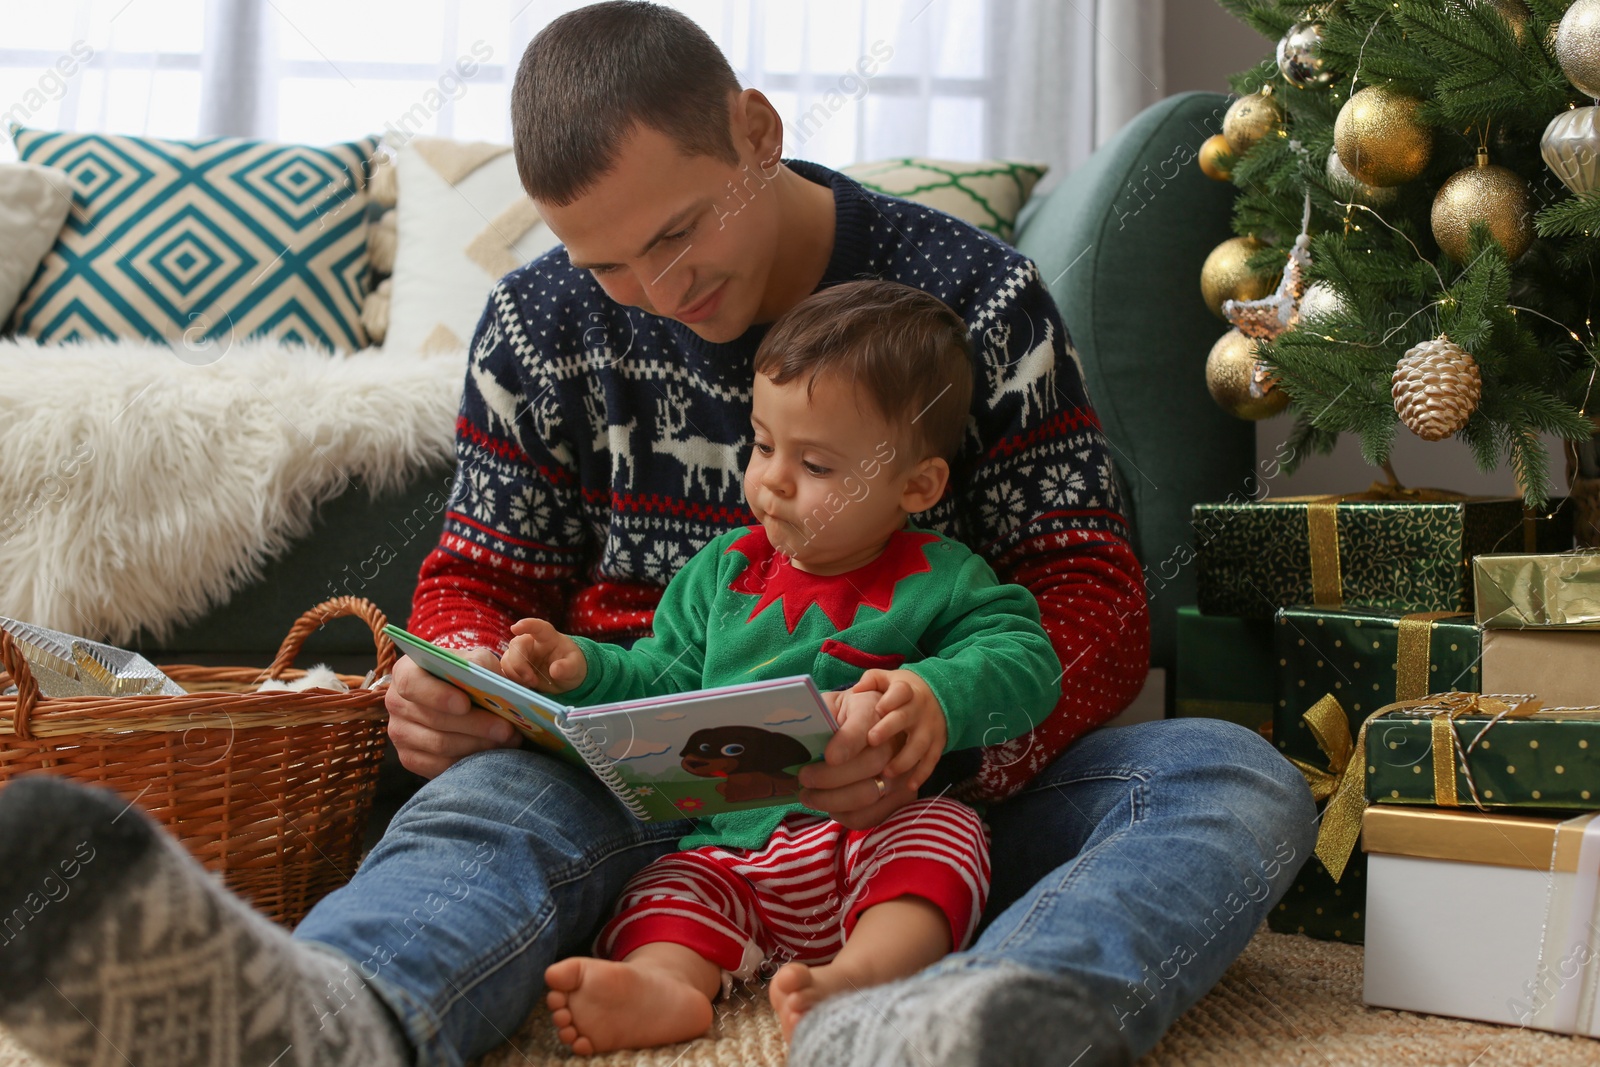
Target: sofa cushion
{"points": [[202, 240], [1120, 243], [463, 222], [34, 201], [989, 193]]}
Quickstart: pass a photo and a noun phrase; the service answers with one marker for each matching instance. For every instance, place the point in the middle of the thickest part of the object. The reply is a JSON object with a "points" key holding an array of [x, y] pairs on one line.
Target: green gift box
{"points": [[1461, 750], [1226, 669], [1363, 659], [1359, 550], [1559, 590], [1319, 907], [1366, 659]]}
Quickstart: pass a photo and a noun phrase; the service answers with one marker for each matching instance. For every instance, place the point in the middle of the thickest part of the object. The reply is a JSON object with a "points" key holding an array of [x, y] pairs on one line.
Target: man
{"points": [[600, 440]]}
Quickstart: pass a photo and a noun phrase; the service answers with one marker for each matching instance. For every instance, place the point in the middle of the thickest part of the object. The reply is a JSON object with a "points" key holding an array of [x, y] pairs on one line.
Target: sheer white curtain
{"points": [[1046, 80]]}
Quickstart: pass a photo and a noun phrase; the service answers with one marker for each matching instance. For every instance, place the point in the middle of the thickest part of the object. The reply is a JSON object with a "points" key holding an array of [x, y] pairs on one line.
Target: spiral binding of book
{"points": [[604, 768]]}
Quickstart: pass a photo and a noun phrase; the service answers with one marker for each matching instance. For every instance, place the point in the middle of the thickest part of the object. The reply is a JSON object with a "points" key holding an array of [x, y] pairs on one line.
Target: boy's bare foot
{"points": [[601, 1005], [797, 988]]}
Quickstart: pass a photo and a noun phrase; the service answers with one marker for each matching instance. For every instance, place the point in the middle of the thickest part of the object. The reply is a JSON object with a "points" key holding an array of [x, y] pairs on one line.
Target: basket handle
{"points": [[338, 607], [27, 689]]}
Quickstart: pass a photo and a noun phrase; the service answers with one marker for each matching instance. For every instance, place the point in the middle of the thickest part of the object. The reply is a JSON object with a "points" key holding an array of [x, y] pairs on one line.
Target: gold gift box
{"points": [[1500, 840], [1556, 590]]}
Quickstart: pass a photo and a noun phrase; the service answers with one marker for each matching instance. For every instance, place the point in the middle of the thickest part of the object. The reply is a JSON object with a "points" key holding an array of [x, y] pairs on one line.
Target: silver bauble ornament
{"points": [[1571, 147], [1299, 56], [1578, 46], [1321, 301], [1345, 185]]}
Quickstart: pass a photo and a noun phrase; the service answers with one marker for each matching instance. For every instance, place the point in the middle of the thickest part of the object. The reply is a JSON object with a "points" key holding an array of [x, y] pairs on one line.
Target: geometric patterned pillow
{"points": [[988, 194], [202, 241]]}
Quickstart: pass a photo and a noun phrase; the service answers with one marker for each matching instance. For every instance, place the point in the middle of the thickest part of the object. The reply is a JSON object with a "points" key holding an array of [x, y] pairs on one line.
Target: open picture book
{"points": [[683, 755]]}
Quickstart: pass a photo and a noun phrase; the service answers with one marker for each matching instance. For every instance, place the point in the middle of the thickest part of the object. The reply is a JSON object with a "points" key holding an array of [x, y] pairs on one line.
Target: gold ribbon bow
{"points": [[1344, 783]]}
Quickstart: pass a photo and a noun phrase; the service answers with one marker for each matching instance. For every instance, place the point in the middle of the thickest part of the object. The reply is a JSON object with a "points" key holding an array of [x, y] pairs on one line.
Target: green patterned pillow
{"points": [[988, 194], [202, 240]]}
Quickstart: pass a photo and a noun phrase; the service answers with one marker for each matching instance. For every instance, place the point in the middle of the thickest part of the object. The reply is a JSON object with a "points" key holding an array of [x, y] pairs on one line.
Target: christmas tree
{"points": [[1431, 267]]}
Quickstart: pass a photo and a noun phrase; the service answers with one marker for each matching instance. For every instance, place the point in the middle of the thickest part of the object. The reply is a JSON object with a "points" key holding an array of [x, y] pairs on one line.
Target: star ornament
{"points": [[1265, 319], [772, 577]]}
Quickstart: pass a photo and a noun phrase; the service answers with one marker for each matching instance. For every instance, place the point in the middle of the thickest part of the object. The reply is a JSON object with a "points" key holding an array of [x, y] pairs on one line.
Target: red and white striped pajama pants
{"points": [[799, 897]]}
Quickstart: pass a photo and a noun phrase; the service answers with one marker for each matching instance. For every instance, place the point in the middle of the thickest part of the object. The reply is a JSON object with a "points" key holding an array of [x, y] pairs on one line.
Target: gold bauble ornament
{"points": [[1226, 274], [1345, 186], [1578, 46], [1436, 388], [1249, 119], [1216, 158], [1238, 383], [1379, 137], [1515, 12], [1483, 193], [1571, 147]]}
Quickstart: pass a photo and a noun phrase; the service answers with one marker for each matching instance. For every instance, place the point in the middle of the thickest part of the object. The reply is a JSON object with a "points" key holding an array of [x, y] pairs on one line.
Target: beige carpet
{"points": [[1288, 1001]]}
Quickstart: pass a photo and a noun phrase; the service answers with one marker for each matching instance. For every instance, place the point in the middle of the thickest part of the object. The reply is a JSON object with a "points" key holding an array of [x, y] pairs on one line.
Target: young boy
{"points": [[859, 404]]}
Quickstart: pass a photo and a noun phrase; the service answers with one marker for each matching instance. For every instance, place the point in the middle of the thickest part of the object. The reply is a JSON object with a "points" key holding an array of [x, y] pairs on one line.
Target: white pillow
{"points": [[34, 202], [464, 221]]}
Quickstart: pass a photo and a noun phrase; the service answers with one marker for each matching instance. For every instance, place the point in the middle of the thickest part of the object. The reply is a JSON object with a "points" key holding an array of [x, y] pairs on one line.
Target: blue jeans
{"points": [[1140, 863]]}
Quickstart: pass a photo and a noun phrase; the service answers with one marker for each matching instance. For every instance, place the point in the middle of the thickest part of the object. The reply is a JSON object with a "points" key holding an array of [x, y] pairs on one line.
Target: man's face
{"points": [[826, 473], [665, 232]]}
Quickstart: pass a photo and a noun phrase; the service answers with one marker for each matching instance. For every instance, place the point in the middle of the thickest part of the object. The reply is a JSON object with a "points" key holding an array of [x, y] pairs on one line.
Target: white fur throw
{"points": [[138, 490]]}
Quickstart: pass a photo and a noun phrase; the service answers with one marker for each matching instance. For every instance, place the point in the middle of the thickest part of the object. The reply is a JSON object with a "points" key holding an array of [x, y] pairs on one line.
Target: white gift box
{"points": [[1488, 917]]}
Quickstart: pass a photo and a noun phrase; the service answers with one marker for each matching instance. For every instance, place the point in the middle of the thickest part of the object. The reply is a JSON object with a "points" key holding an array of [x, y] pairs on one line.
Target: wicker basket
{"points": [[270, 790]]}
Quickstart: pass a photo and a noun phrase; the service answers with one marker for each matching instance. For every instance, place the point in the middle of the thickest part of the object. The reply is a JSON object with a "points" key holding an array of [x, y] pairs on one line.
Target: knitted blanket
{"points": [[140, 490]]}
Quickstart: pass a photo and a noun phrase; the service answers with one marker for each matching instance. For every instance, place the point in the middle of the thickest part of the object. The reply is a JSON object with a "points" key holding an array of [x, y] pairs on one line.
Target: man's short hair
{"points": [[905, 351], [594, 74]]}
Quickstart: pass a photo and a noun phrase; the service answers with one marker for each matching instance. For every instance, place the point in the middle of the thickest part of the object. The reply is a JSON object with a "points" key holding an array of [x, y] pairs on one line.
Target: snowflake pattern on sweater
{"points": [[599, 447]]}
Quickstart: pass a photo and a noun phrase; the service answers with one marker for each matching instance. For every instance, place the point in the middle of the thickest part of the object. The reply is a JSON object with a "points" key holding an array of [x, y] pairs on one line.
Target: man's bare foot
{"points": [[601, 1005], [797, 988]]}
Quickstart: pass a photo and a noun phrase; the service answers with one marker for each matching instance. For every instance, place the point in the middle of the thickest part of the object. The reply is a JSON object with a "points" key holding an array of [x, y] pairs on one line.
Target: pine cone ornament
{"points": [[1436, 389]]}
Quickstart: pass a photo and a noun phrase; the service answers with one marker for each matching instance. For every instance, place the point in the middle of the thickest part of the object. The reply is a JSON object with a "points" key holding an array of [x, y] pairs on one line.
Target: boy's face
{"points": [[829, 478], [691, 238]]}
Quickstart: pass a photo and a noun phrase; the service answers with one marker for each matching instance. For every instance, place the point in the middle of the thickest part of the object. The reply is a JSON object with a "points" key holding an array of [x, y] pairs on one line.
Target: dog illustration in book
{"points": [[751, 762]]}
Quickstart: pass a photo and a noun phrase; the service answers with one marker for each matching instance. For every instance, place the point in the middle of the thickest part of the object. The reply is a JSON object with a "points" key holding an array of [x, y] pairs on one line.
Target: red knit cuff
{"points": [[725, 951], [937, 883]]}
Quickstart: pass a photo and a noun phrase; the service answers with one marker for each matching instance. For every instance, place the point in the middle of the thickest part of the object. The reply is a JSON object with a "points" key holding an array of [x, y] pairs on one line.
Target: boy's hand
{"points": [[543, 658], [906, 705]]}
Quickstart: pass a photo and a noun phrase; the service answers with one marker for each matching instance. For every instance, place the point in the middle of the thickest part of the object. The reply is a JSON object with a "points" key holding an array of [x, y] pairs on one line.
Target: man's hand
{"points": [[906, 706], [433, 724], [845, 784], [543, 658]]}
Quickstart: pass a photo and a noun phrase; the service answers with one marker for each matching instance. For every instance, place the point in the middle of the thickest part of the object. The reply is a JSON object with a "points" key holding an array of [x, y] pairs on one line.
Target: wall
{"points": [[1204, 44]]}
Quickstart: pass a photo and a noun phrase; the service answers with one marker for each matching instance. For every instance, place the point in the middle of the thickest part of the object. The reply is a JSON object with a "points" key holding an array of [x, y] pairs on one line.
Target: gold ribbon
{"points": [[1344, 783], [1413, 666], [1322, 531]]}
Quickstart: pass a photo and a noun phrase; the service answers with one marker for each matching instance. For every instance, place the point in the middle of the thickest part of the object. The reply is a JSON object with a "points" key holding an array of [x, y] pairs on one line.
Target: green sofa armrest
{"points": [[359, 546], [1120, 243]]}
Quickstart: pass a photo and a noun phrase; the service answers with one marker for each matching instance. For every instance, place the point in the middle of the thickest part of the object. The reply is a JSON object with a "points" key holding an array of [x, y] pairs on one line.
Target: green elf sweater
{"points": [[739, 611]]}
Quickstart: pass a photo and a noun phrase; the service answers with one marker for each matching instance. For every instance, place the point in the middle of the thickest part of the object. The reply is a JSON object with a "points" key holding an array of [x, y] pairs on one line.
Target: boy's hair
{"points": [[593, 74], [903, 349]]}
